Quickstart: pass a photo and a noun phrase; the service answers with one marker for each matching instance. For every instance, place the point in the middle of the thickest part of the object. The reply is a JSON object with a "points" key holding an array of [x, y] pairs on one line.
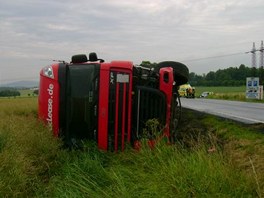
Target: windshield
{"points": [[82, 101]]}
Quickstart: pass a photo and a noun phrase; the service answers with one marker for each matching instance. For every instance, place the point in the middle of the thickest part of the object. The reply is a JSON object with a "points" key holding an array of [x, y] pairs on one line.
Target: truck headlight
{"points": [[48, 71]]}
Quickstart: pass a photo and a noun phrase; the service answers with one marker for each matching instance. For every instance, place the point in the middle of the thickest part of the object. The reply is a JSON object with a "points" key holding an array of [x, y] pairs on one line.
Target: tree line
{"points": [[232, 76], [9, 93]]}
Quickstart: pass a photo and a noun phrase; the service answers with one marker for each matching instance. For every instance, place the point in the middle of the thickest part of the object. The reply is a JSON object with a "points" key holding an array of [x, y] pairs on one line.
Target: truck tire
{"points": [[180, 71]]}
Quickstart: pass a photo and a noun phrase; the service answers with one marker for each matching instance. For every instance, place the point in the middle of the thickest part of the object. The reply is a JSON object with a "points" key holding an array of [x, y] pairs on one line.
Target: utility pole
{"points": [[253, 56], [253, 60], [254, 84], [261, 63]]}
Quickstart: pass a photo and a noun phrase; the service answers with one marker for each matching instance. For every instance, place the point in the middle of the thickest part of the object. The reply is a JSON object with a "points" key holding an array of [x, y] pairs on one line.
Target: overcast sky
{"points": [[34, 32]]}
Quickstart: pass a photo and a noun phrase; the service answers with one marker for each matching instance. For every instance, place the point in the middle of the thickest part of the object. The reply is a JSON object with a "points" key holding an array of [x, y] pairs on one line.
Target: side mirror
{"points": [[79, 58], [93, 57]]}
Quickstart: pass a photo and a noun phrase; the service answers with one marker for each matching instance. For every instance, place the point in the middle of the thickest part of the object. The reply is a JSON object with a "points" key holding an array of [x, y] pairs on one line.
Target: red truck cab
{"points": [[108, 103]]}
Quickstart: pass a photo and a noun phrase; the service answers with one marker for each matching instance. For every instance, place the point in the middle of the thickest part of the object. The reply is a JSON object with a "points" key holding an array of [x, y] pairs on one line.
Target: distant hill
{"points": [[21, 84]]}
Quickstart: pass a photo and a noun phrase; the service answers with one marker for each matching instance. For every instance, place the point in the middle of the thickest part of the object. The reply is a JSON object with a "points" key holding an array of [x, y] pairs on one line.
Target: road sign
{"points": [[253, 89]]}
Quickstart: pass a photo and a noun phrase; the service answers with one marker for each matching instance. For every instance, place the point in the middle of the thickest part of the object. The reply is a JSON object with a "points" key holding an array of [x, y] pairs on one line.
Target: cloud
{"points": [[34, 30]]}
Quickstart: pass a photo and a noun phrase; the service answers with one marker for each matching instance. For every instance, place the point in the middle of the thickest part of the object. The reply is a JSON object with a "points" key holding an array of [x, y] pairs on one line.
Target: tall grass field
{"points": [[240, 89], [212, 158], [226, 93]]}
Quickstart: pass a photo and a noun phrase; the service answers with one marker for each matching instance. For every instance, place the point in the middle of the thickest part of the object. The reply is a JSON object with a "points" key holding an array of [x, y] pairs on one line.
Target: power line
{"points": [[188, 60], [212, 57]]}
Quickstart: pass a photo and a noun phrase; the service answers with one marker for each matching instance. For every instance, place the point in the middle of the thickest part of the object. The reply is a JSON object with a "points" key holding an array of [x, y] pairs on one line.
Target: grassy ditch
{"points": [[212, 158]]}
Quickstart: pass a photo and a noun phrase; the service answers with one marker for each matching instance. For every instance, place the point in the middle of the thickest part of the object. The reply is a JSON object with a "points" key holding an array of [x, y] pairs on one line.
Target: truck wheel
{"points": [[180, 71]]}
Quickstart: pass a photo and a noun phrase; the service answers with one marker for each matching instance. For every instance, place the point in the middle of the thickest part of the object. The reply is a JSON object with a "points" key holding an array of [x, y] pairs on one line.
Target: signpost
{"points": [[261, 92]]}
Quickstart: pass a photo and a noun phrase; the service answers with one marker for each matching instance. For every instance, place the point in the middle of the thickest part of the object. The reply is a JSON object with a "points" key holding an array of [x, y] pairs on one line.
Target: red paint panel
{"points": [[166, 85], [103, 106], [122, 65], [48, 99]]}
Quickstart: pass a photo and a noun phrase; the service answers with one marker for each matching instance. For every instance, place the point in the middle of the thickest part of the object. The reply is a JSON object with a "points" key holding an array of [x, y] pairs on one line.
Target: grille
{"points": [[119, 111]]}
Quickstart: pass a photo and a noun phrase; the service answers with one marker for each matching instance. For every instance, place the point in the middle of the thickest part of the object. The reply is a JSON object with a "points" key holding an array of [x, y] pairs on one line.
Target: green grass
{"points": [[34, 163], [26, 93], [241, 89], [226, 93]]}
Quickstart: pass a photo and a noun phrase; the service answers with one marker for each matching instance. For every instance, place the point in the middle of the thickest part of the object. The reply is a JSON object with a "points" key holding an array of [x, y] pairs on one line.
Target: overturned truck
{"points": [[109, 103]]}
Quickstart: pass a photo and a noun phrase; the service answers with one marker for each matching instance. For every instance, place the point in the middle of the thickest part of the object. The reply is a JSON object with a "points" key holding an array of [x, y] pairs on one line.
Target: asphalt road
{"points": [[246, 112]]}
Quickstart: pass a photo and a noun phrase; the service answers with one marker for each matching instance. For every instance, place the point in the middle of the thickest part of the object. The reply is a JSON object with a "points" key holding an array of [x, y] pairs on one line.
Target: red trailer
{"points": [[109, 103]]}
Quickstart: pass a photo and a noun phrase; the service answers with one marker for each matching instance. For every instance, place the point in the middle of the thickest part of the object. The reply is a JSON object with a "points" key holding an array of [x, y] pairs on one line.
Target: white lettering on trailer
{"points": [[50, 104]]}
